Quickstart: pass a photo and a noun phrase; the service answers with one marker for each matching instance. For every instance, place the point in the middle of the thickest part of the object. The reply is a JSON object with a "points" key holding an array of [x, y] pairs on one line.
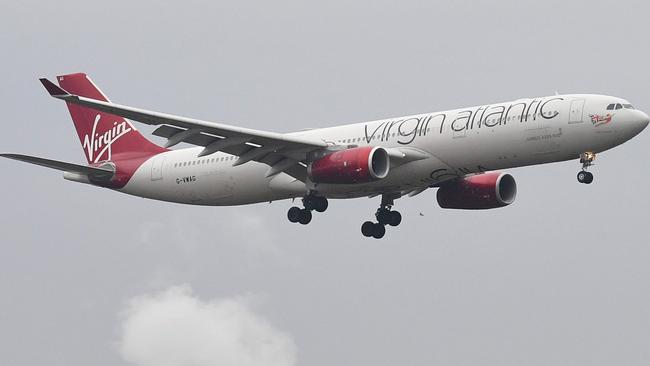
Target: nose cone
{"points": [[634, 124], [641, 122], [645, 120]]}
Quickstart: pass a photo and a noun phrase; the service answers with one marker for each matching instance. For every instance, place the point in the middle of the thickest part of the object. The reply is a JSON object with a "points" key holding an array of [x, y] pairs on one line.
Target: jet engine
{"points": [[478, 192], [355, 165]]}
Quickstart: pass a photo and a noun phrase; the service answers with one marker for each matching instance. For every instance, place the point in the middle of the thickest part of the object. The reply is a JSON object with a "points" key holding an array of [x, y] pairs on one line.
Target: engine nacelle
{"points": [[356, 165], [478, 192]]}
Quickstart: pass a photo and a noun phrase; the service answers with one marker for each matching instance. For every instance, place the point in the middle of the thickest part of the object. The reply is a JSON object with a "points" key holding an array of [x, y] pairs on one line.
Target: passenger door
{"points": [[576, 111], [157, 167]]}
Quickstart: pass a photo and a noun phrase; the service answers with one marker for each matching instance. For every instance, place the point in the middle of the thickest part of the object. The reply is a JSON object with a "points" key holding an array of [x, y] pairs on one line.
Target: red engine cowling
{"points": [[356, 165], [478, 192]]}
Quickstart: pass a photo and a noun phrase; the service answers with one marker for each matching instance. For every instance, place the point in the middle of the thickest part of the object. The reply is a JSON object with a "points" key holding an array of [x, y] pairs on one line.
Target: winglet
{"points": [[53, 89]]}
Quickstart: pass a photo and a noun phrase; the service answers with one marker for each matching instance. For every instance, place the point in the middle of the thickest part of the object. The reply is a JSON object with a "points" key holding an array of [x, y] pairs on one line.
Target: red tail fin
{"points": [[103, 136]]}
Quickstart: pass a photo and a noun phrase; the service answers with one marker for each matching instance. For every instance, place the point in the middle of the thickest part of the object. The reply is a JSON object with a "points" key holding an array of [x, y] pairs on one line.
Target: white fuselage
{"points": [[456, 143]]}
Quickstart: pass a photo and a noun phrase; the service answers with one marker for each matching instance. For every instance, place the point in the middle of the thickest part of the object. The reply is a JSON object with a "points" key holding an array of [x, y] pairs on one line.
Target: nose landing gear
{"points": [[310, 202], [587, 160], [385, 216], [585, 177]]}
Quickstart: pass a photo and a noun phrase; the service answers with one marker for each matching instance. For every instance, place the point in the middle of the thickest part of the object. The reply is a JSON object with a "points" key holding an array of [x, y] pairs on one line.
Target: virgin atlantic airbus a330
{"points": [[456, 151]]}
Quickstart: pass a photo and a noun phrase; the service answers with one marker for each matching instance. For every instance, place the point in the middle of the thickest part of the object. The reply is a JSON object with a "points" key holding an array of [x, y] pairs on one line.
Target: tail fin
{"points": [[103, 136]]}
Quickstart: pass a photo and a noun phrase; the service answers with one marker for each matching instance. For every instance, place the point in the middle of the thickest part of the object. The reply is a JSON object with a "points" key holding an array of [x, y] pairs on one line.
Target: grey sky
{"points": [[561, 277]]}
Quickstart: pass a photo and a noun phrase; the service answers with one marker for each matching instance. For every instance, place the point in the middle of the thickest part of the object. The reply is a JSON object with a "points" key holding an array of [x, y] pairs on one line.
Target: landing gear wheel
{"points": [[585, 177], [313, 202], [378, 231], [320, 204], [367, 229], [305, 217], [383, 216], [294, 214], [394, 218]]}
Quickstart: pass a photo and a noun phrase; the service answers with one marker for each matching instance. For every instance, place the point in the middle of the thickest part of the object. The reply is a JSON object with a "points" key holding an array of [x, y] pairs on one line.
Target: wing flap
{"points": [[166, 131]]}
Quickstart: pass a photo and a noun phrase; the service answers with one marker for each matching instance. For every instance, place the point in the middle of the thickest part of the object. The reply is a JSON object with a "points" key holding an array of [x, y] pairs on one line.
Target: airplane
{"points": [[460, 152]]}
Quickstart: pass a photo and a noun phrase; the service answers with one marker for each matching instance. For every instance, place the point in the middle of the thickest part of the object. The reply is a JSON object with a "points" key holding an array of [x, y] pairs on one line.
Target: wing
{"points": [[282, 153], [92, 172]]}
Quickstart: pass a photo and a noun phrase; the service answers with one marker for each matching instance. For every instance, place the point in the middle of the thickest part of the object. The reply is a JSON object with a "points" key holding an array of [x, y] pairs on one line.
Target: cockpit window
{"points": [[617, 106]]}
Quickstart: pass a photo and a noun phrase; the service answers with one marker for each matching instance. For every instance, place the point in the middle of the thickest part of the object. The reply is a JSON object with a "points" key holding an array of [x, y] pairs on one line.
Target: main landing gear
{"points": [[587, 160], [385, 216], [310, 202]]}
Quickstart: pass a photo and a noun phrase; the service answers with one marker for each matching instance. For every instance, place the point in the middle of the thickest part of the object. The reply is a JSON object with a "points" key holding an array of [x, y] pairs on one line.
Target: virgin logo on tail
{"points": [[98, 144]]}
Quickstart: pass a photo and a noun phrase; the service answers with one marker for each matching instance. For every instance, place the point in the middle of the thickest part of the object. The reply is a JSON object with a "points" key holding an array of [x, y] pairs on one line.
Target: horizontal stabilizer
{"points": [[91, 172]]}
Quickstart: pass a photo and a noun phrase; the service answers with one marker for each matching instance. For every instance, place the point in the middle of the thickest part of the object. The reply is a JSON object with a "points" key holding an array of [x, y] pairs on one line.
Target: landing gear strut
{"points": [[587, 160], [385, 216], [310, 202]]}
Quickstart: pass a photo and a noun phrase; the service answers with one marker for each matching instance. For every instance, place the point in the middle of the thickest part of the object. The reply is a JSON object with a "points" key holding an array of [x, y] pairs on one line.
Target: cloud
{"points": [[175, 328]]}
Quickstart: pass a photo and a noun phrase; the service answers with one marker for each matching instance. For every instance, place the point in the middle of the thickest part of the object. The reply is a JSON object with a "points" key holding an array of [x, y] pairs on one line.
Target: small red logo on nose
{"points": [[599, 120]]}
